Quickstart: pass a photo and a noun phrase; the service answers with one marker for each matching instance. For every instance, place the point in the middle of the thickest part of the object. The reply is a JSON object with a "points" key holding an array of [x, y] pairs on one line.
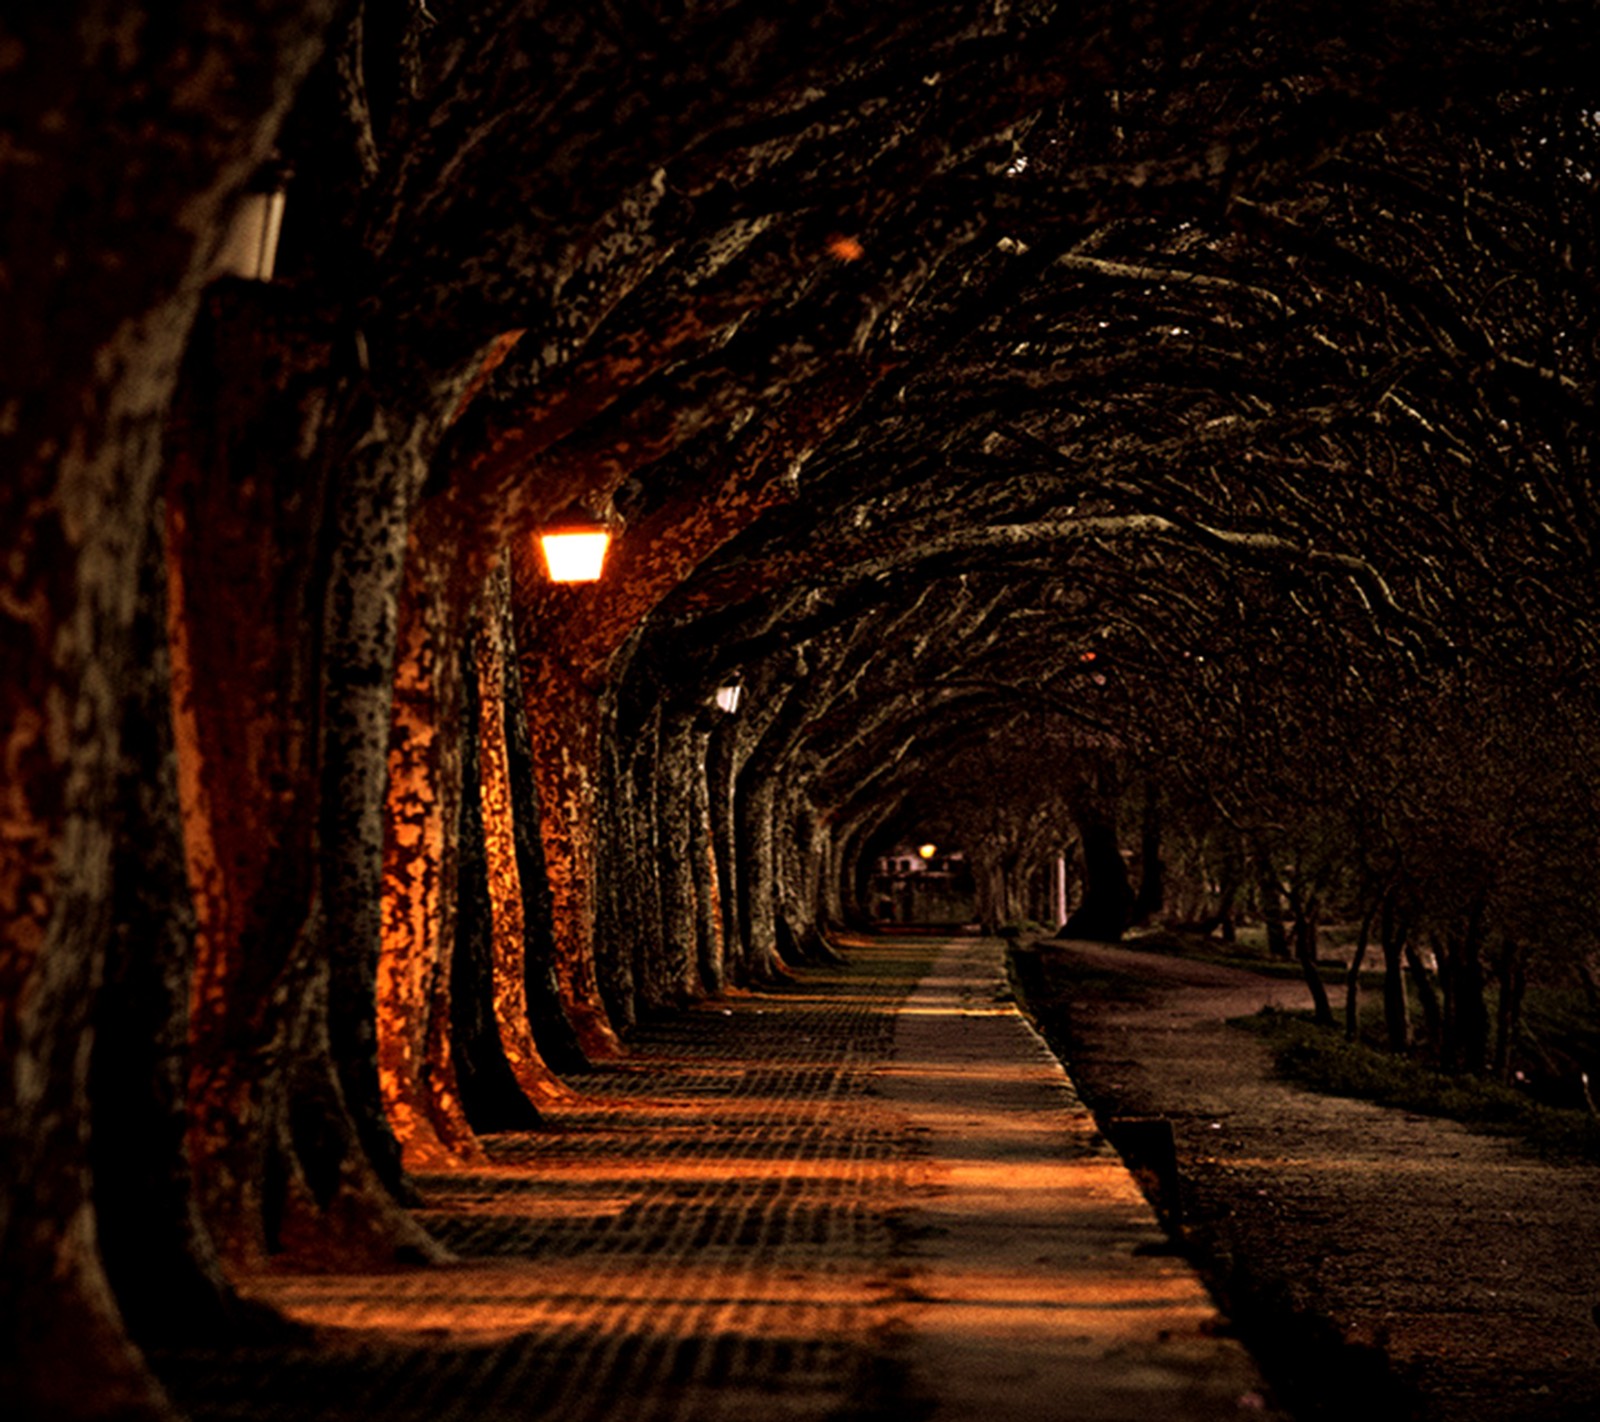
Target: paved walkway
{"points": [[871, 1195]]}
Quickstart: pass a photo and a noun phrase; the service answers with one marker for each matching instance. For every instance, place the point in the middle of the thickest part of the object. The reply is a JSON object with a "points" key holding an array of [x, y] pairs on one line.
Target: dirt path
{"points": [[1464, 1270]]}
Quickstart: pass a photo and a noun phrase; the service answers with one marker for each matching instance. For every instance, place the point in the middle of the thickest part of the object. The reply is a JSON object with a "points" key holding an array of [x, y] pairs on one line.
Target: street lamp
{"points": [[574, 547], [728, 695], [250, 248]]}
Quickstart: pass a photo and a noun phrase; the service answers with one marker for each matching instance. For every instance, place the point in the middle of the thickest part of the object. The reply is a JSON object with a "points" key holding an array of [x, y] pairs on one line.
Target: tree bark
{"points": [[1393, 930], [1272, 912], [564, 750], [491, 1094], [682, 862], [1152, 872], [710, 946], [416, 1066], [1427, 995], [1512, 978], [552, 1031], [94, 329], [1103, 915], [486, 684], [1352, 977], [1305, 952], [158, 1254]]}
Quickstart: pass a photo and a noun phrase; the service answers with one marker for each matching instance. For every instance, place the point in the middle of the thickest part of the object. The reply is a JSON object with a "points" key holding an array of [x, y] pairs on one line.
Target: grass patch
{"points": [[1243, 954], [1321, 1059]]}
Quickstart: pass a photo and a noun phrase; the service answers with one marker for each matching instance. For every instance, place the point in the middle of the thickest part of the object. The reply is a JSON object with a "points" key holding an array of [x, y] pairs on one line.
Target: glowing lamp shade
{"points": [[575, 554], [927, 851], [728, 697], [250, 248]]}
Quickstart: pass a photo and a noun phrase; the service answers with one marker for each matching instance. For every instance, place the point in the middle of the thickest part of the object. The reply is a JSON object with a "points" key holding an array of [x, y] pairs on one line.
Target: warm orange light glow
{"points": [[574, 555], [927, 851], [846, 249]]}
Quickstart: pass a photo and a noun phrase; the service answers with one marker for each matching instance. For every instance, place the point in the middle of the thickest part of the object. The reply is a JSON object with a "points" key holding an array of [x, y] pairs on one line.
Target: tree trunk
{"points": [[283, 749], [758, 924], [158, 1254], [416, 1064], [710, 946], [1232, 881], [96, 309], [1152, 872], [1427, 996], [1272, 914], [681, 863], [564, 750], [1305, 952], [1512, 979], [1352, 978], [552, 1031], [1102, 916], [490, 1092], [648, 982], [1465, 1045], [1396, 1016], [376, 490], [485, 682], [618, 935]]}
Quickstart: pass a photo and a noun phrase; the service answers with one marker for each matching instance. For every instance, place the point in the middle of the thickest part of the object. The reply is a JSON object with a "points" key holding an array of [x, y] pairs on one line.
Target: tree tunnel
{"points": [[1152, 444]]}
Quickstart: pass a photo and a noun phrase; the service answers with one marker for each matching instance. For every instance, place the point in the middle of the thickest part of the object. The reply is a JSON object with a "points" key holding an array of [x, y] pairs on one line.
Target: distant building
{"points": [[922, 882]]}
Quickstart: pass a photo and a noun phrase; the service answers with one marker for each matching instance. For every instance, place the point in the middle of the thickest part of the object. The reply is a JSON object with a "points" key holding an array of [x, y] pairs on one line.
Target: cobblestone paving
{"points": [[736, 1225]]}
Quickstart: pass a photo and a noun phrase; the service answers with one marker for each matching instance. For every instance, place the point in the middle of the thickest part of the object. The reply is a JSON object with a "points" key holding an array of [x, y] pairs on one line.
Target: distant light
{"points": [[927, 851], [728, 697], [575, 551], [846, 249]]}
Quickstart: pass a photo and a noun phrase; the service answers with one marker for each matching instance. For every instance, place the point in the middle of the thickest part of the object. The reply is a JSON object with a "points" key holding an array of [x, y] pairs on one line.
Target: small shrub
{"points": [[1322, 1060]]}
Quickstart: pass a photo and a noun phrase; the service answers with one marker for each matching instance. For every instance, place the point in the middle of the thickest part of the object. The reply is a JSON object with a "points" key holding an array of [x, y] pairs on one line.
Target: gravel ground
{"points": [[1381, 1264]]}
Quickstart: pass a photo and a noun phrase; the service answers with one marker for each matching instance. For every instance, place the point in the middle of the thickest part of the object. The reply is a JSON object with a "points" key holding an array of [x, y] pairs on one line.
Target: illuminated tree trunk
{"points": [[502, 990], [564, 752], [375, 491], [416, 1066], [552, 1031], [282, 758]]}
